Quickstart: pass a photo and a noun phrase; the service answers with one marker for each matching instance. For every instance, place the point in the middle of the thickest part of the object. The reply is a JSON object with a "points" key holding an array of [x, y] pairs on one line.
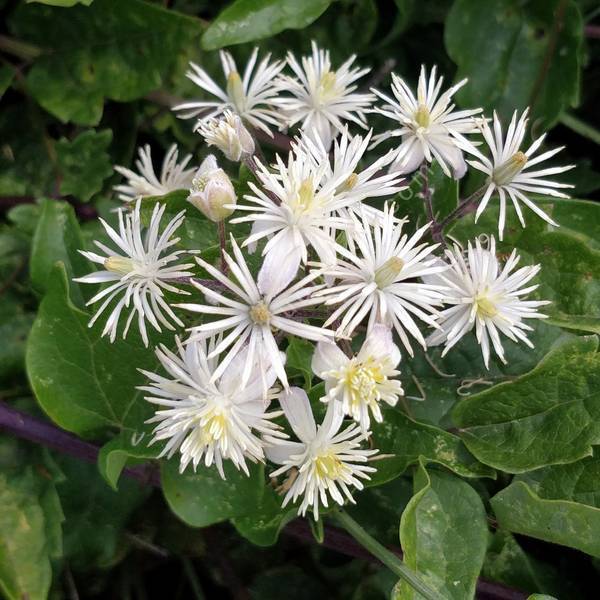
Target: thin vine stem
{"points": [[389, 559], [467, 206]]}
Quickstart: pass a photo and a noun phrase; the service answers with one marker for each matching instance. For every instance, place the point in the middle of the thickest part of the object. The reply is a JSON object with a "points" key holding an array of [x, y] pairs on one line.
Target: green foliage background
{"points": [[489, 474]]}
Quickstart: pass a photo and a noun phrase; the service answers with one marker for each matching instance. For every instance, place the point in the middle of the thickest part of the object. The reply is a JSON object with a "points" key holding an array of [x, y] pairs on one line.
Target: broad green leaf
{"points": [[508, 563], [444, 535], [27, 163], [443, 190], [535, 50], [196, 232], [84, 163], [408, 441], [264, 524], [203, 498], [378, 509], [519, 509], [95, 515], [548, 416], [434, 384], [115, 50], [126, 448], [83, 382], [30, 522], [569, 256], [299, 355], [57, 238], [248, 20]]}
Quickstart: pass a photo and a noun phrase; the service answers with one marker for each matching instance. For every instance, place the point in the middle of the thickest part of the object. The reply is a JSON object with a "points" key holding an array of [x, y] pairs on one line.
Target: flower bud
{"points": [[212, 192], [229, 135]]}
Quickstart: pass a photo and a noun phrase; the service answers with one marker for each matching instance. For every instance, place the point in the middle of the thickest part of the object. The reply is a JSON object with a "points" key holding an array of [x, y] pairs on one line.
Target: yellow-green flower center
{"points": [[361, 382], [119, 264], [507, 171], [349, 184], [327, 89], [486, 308], [235, 91], [328, 465], [422, 116], [260, 314], [387, 273]]}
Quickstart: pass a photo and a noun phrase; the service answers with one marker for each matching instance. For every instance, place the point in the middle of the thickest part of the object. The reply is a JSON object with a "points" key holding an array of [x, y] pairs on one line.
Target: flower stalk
{"points": [[390, 560]]}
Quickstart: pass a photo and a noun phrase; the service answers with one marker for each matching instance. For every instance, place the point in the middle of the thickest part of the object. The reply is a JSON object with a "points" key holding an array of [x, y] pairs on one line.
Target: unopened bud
{"points": [[229, 135], [212, 192]]}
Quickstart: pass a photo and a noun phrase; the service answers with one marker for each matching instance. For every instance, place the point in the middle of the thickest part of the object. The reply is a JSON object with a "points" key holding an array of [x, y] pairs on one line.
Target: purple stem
{"points": [[35, 430]]}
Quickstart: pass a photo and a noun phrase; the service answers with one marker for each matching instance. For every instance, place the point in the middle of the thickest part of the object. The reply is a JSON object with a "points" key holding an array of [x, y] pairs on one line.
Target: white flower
{"points": [[429, 126], [360, 383], [313, 196], [507, 170], [173, 176], [212, 192], [253, 97], [487, 297], [324, 98], [252, 315], [327, 462], [382, 280], [205, 418], [139, 271], [229, 135]]}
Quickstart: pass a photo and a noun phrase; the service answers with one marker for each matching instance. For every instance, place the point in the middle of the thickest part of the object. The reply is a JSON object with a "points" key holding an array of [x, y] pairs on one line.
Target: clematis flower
{"points": [[173, 175], [487, 297], [206, 419], [360, 383], [140, 271], [328, 462]]}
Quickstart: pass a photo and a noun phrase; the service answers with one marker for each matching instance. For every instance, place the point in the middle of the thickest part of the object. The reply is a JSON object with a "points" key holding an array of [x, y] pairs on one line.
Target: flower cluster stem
{"points": [[465, 207], [389, 559], [222, 245]]}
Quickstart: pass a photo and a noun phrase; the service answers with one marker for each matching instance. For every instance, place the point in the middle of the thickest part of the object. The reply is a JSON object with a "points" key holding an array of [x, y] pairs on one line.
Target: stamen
{"points": [[260, 314], [235, 91], [119, 264], [423, 116], [507, 171], [387, 273], [485, 307], [327, 86]]}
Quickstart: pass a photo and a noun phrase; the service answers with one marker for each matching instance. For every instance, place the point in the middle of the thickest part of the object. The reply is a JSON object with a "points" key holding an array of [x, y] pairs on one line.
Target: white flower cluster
{"points": [[331, 266]]}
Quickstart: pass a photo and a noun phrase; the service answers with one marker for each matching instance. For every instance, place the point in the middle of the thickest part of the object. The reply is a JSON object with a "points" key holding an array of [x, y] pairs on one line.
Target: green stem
{"points": [[580, 127], [389, 559], [18, 48], [466, 207]]}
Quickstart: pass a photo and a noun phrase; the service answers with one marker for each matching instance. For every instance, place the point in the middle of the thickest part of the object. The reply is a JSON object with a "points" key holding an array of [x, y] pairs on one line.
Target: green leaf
{"points": [[508, 563], [13, 333], [127, 448], [444, 535], [535, 50], [519, 509], [203, 498], [95, 515], [547, 416], [57, 238], [116, 50], [569, 258], [82, 381], [30, 522], [299, 355], [410, 441], [263, 526], [248, 20], [84, 163], [444, 195]]}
